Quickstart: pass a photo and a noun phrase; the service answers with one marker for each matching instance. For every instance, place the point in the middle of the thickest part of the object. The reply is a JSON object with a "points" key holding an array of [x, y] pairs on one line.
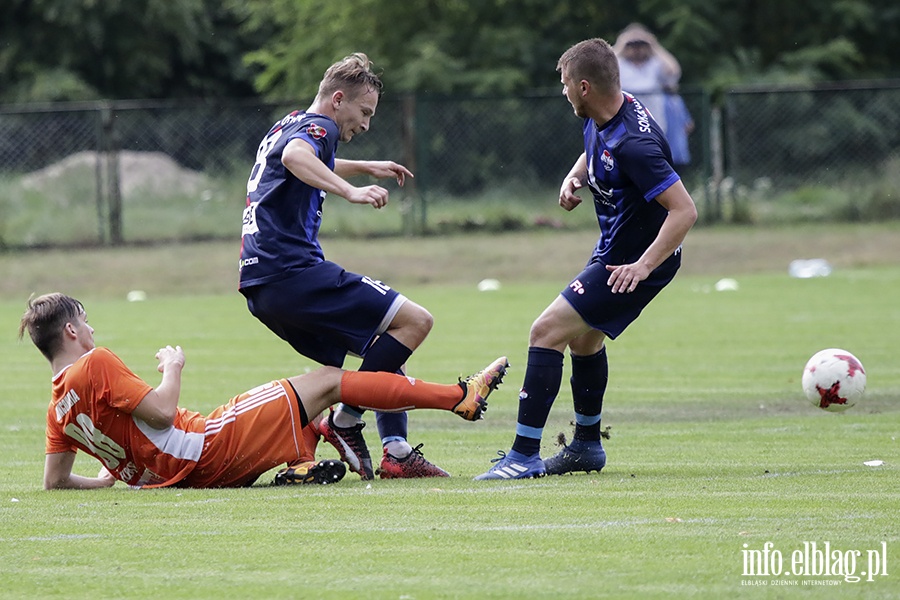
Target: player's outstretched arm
{"points": [[301, 160], [380, 169], [58, 474]]}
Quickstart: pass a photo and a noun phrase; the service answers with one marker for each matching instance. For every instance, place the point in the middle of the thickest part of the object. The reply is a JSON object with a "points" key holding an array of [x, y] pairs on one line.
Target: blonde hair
{"points": [[353, 75], [45, 319]]}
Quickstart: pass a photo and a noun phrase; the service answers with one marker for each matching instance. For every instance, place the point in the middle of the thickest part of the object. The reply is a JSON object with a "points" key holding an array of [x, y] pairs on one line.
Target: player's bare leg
{"points": [[390, 392]]}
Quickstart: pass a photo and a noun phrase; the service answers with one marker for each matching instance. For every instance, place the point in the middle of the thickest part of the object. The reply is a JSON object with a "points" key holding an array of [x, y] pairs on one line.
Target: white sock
{"points": [[343, 419], [398, 448]]}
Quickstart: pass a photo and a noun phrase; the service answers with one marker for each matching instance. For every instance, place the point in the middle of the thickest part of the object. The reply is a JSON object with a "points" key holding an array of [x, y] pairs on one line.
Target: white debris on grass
{"points": [[807, 268], [488, 285], [727, 285]]}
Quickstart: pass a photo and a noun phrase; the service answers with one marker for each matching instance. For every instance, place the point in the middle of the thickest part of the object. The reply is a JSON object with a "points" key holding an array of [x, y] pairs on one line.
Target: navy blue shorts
{"points": [[324, 312], [592, 297]]}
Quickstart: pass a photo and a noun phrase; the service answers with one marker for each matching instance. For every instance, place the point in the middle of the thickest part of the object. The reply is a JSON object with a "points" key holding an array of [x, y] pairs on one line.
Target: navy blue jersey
{"points": [[629, 164], [280, 231]]}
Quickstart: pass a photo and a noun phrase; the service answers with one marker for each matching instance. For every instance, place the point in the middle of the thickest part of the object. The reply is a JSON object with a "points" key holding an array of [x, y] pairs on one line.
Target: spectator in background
{"points": [[646, 69], [679, 125]]}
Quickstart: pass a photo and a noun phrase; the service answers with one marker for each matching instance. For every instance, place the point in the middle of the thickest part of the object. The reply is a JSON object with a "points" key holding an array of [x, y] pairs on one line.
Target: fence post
{"points": [[705, 151], [98, 173], [410, 192], [113, 190], [714, 199], [422, 137]]}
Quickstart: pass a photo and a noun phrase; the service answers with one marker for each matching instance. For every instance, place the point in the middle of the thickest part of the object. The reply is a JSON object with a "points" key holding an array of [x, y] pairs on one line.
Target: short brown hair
{"points": [[353, 75], [45, 319], [593, 60]]}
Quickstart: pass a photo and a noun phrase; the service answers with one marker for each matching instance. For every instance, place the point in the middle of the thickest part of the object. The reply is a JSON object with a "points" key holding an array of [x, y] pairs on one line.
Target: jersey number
{"points": [[262, 154], [103, 447], [377, 285]]}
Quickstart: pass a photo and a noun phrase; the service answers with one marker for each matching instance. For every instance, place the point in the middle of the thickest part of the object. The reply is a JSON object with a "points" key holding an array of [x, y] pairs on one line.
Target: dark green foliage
{"points": [[85, 49]]}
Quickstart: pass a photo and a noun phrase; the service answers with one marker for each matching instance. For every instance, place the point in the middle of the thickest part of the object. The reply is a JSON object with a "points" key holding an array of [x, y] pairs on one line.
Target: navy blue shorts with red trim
{"points": [[591, 296], [325, 312]]}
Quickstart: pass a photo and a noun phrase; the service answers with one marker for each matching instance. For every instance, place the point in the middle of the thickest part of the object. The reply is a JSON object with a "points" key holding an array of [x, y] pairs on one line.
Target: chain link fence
{"points": [[832, 151], [125, 172]]}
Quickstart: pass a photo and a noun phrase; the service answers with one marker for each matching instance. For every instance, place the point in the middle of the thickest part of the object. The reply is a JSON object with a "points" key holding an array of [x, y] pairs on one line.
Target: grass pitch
{"points": [[714, 452]]}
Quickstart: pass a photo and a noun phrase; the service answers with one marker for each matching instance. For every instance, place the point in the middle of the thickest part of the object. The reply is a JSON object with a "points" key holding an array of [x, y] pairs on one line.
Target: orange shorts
{"points": [[254, 432]]}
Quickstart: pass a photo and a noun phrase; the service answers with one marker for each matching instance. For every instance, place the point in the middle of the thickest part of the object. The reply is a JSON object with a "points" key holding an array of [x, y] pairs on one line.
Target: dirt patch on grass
{"points": [[153, 173]]}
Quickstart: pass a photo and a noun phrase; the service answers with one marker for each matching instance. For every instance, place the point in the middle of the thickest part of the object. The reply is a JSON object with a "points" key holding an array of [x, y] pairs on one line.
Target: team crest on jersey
{"points": [[317, 131], [607, 160]]}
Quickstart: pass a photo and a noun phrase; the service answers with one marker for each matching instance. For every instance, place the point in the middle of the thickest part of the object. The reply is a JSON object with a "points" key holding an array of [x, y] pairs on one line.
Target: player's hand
{"points": [[169, 357], [625, 278], [382, 169], [567, 198], [374, 195]]}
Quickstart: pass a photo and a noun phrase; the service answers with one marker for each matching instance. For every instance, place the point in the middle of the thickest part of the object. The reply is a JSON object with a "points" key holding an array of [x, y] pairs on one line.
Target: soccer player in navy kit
{"points": [[321, 310], [644, 213]]}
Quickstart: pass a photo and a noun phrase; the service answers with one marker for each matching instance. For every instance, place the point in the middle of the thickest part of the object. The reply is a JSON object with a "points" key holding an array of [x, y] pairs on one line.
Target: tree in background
{"points": [[431, 46], [86, 49], [89, 49], [511, 46]]}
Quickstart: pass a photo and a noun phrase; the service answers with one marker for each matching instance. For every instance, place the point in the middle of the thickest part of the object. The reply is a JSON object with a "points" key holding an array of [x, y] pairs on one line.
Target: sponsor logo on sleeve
{"points": [[316, 131]]}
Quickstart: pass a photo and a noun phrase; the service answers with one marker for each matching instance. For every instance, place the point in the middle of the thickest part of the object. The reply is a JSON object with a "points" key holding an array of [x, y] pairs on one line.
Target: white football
{"points": [[834, 380]]}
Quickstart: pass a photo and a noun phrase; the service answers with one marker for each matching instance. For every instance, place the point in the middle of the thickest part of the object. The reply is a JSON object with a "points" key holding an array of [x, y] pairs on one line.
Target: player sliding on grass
{"points": [[145, 439], [644, 212]]}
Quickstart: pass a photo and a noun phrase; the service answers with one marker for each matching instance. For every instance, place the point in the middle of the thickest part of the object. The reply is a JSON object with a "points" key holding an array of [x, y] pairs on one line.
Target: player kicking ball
{"points": [[144, 439]]}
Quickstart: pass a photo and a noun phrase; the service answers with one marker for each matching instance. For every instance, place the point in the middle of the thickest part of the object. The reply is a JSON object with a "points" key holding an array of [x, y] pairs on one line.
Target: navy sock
{"points": [[543, 376], [388, 354], [392, 427], [589, 377]]}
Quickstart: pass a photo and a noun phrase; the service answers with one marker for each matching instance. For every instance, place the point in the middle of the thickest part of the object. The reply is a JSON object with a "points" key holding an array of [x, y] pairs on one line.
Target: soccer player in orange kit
{"points": [[143, 438]]}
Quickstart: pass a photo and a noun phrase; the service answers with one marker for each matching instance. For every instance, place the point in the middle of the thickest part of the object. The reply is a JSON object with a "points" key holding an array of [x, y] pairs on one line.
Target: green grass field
{"points": [[714, 451]]}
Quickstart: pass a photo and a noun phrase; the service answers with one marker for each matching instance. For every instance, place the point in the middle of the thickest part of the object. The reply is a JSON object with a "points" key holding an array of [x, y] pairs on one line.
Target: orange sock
{"points": [[310, 440], [389, 392]]}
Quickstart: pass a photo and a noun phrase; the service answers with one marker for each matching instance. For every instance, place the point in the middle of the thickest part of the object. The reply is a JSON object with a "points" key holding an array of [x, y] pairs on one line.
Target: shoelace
{"points": [[417, 450], [466, 380], [499, 458], [414, 454]]}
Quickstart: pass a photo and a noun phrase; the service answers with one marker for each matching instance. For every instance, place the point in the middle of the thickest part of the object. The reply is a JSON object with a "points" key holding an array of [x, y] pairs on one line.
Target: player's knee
{"points": [[420, 322], [421, 326], [541, 333], [411, 325], [427, 322]]}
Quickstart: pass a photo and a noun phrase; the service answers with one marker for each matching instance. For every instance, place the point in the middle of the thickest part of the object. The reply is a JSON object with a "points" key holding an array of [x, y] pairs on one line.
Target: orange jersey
{"points": [[91, 410]]}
